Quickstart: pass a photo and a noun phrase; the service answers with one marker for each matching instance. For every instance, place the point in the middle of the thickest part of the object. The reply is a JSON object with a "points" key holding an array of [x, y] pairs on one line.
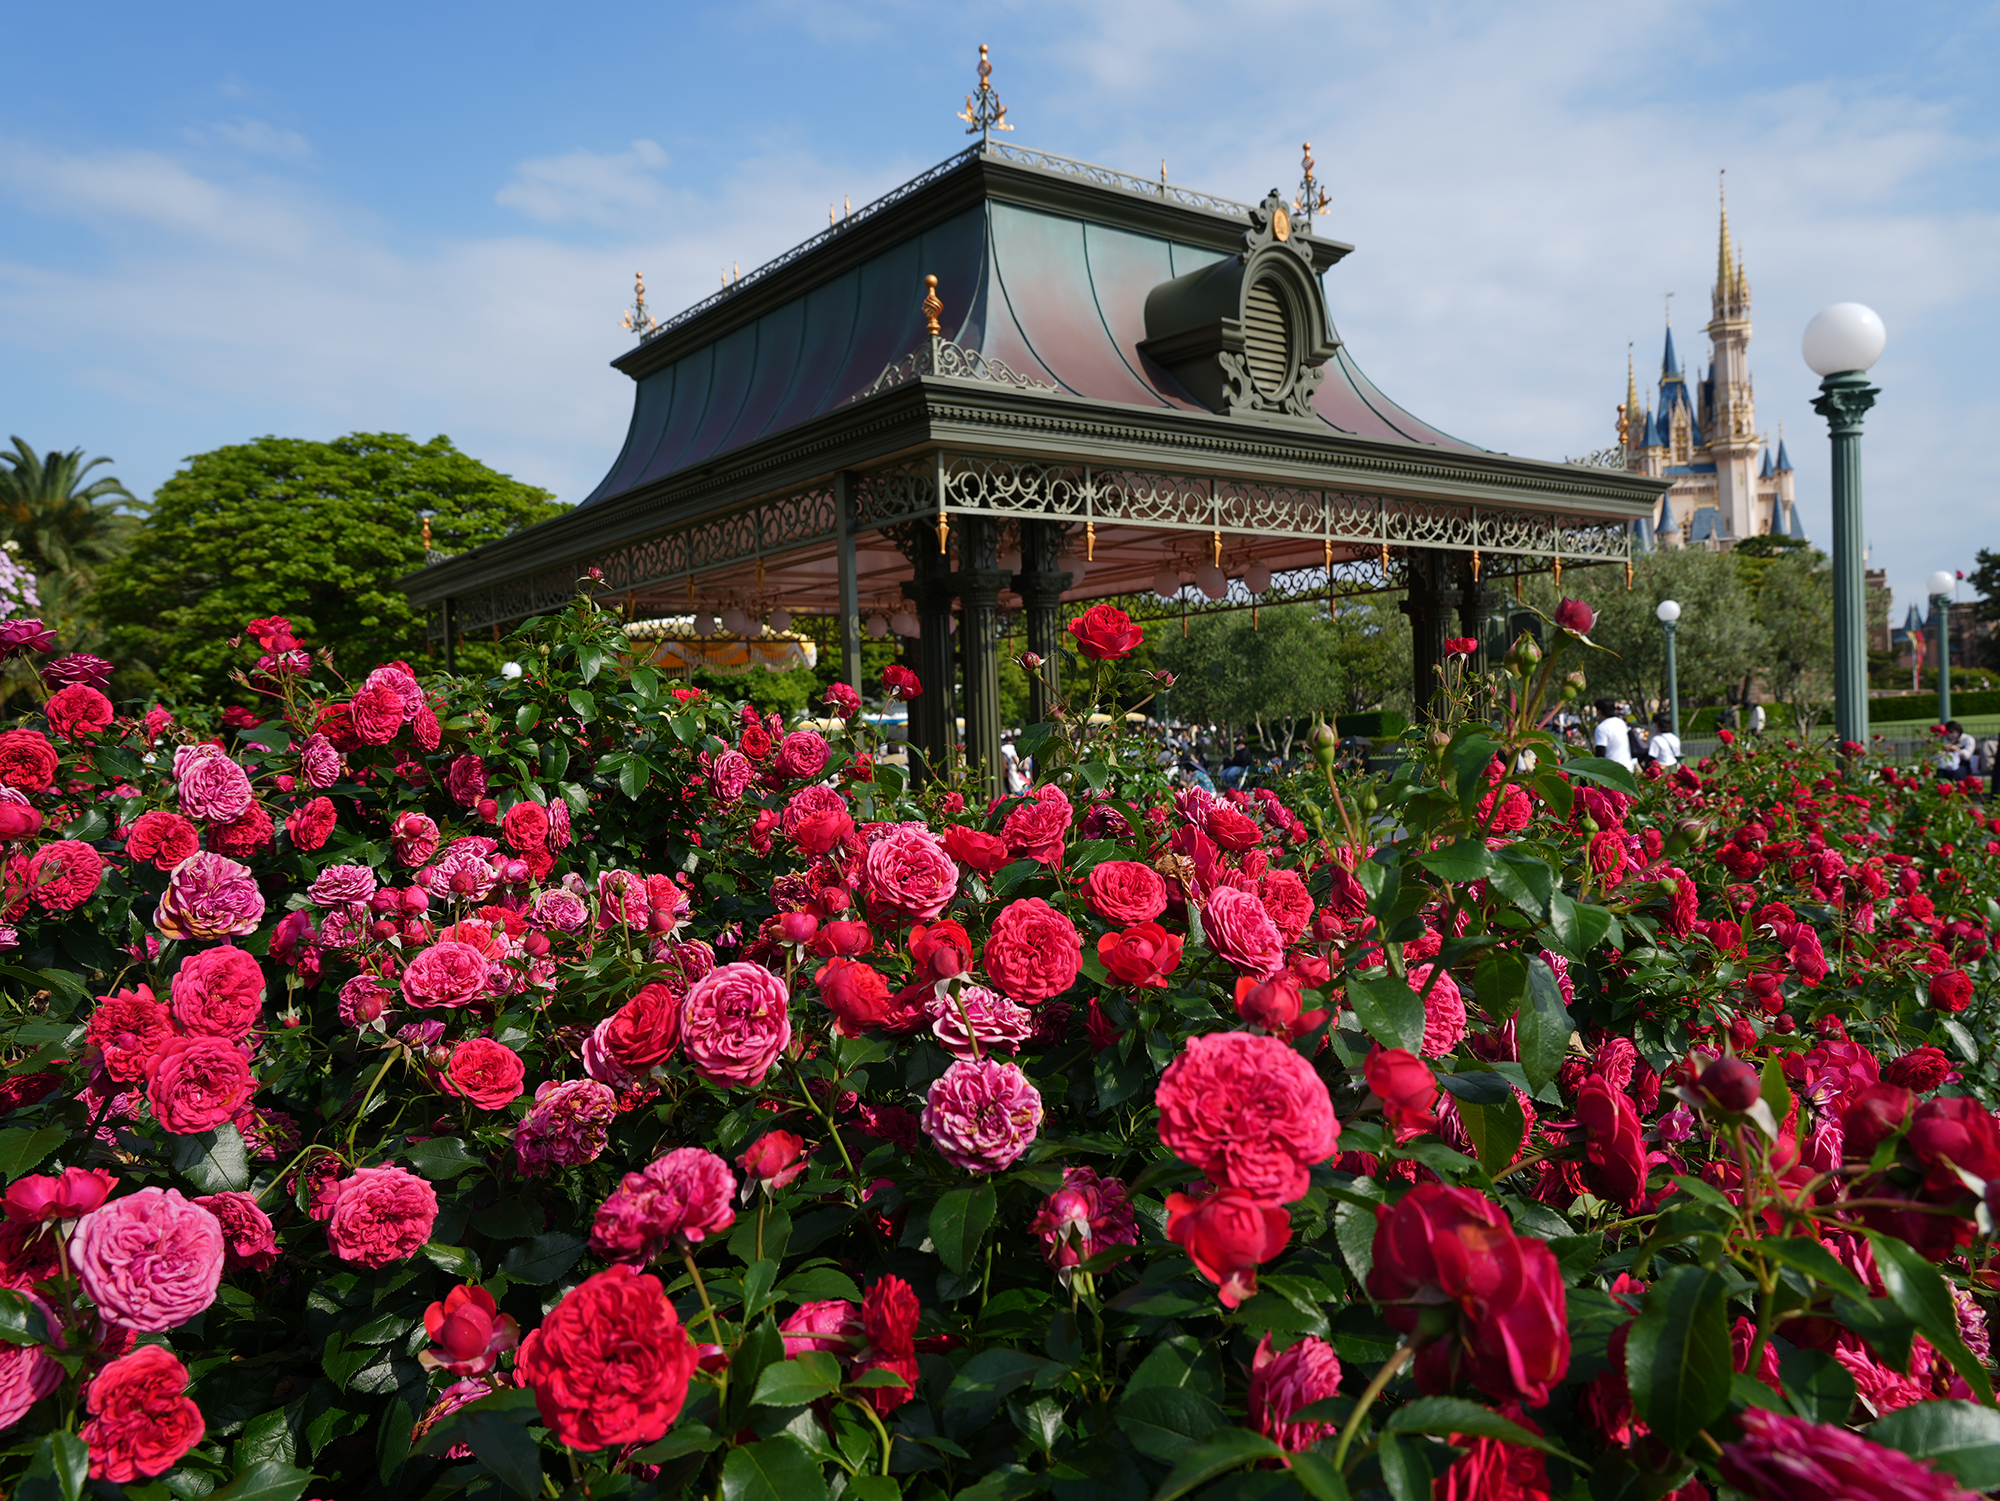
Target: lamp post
{"points": [[1941, 586], [1669, 613], [1840, 344]]}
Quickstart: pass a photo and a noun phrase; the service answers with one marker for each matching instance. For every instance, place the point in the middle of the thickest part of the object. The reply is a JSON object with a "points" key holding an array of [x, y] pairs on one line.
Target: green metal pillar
{"points": [[1941, 608], [1671, 627], [1843, 400]]}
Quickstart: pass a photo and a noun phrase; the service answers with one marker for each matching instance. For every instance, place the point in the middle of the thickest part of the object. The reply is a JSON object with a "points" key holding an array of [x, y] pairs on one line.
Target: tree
{"points": [[64, 525], [1795, 608], [316, 532], [1268, 678]]}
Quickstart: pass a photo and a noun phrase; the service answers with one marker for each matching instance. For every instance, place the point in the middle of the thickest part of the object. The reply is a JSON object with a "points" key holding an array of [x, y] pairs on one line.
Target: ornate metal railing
{"points": [[1107, 177]]}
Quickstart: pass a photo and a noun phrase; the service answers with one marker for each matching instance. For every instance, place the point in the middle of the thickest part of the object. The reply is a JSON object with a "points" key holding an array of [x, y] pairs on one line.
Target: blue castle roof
{"points": [[1784, 459], [1705, 525], [1798, 526], [1766, 471]]}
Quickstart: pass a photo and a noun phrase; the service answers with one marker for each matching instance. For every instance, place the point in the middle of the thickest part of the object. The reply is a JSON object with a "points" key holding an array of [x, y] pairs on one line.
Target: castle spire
{"points": [[1629, 422], [1722, 257], [1732, 288]]}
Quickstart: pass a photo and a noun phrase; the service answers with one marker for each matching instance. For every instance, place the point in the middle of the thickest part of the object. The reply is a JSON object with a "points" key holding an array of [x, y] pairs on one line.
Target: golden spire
{"points": [[1722, 258], [1629, 416], [933, 305]]}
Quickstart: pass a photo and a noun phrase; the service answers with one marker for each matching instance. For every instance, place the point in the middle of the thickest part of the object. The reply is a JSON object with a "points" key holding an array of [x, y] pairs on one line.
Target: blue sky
{"points": [[222, 220]]}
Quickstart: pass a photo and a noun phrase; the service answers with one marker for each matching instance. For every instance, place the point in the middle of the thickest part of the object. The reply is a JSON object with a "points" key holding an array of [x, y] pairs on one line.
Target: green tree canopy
{"points": [[64, 521], [317, 532], [1267, 678]]}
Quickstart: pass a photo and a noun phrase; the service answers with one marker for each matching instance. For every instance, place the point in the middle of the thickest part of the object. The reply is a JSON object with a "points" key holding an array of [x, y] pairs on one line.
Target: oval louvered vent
{"points": [[1267, 344]]}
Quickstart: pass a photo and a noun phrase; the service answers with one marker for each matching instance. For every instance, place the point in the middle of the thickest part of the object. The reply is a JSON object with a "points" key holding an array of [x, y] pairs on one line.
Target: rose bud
{"points": [[385, 900], [1730, 1084], [18, 821], [71, 1195], [1325, 743], [1227, 1234], [1524, 656], [797, 927], [1272, 1003], [773, 1161], [382, 929], [416, 899], [535, 944], [468, 1333], [489, 809], [1031, 661], [1575, 615]]}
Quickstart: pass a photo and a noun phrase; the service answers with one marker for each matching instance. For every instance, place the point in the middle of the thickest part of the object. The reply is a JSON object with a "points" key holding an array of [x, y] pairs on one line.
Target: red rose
{"points": [[1105, 633], [1033, 952], [1920, 1070], [1233, 829], [941, 951], [18, 821], [889, 1314], [468, 1332], [1143, 956], [1575, 615], [1461, 646], [984, 853], [218, 993], [69, 1195], [900, 682], [489, 1074], [27, 760], [380, 1215], [194, 1084], [846, 938], [645, 1030], [1275, 1003], [1248, 1111], [127, 1029], [1034, 829], [908, 874], [465, 780], [1443, 1250], [63, 875], [77, 710], [1227, 1234], [1871, 1116], [856, 994], [773, 1161], [611, 1364], [1407, 1088], [164, 839], [526, 827], [1954, 1133], [141, 1421], [248, 1243], [1614, 1149], [1125, 892], [1286, 899], [376, 713], [310, 824], [1951, 990], [1241, 932], [242, 836]]}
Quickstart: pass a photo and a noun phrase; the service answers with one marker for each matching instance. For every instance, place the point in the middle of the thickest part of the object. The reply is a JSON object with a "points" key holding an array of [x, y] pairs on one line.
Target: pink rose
{"points": [[732, 773], [247, 1238], [28, 1373], [380, 1215], [194, 1084], [801, 758], [445, 974], [1444, 1011], [209, 896], [566, 1127], [150, 1260], [974, 1015], [1086, 1215], [466, 780], [982, 1115], [396, 677], [212, 787], [489, 1074], [907, 874], [338, 885], [677, 1200], [1034, 829], [1125, 892], [560, 910], [1241, 932], [831, 1324], [376, 713], [320, 763], [218, 992], [1033, 952], [1248, 1111], [413, 837], [734, 1023], [1281, 1384]]}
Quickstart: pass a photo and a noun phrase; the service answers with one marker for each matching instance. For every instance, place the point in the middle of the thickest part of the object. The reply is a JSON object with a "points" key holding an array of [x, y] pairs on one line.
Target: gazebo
{"points": [[1020, 381]]}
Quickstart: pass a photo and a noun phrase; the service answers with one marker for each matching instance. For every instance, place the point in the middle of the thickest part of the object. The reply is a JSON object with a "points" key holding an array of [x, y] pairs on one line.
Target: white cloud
{"points": [[588, 187], [255, 138]]}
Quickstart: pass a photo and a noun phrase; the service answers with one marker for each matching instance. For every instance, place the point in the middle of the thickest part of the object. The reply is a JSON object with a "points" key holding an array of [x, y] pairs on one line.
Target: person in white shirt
{"points": [[1955, 752], [1665, 746], [1613, 738], [1756, 719]]}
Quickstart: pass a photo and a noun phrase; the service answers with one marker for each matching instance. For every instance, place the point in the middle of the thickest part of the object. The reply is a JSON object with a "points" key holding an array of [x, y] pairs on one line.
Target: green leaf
{"points": [[959, 1221], [266, 1480], [1482, 1087], [1525, 880], [1448, 1415], [1677, 1359], [1919, 1292], [1164, 1422], [991, 1374], [1468, 860], [544, 1258], [21, 1149], [1817, 1385], [441, 1158], [632, 777], [1543, 1027], [1603, 771], [213, 1161], [1227, 1449], [505, 1447], [1578, 926], [686, 1438], [71, 1458], [457, 1260], [1354, 1231], [795, 1382], [778, 1469], [818, 1283], [1812, 1258], [583, 703], [1959, 1437], [1495, 1130], [21, 1323], [1318, 1478], [759, 1348], [1500, 980], [1389, 1010]]}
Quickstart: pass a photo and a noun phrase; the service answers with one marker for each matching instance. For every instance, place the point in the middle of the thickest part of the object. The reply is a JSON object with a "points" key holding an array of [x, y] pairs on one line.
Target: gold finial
{"points": [[933, 306], [831, 217], [427, 534], [1628, 575], [1385, 560], [943, 532], [1475, 565], [1215, 547], [637, 319], [984, 113], [1311, 197], [1090, 541], [1559, 571]]}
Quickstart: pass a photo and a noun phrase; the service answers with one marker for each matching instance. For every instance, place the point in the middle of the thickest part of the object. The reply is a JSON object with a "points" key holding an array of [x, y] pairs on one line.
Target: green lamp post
{"points": [[1941, 587], [1669, 613], [1840, 344]]}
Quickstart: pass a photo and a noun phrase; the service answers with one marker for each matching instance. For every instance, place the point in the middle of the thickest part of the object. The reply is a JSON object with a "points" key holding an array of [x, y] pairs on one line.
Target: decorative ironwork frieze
{"points": [[941, 358]]}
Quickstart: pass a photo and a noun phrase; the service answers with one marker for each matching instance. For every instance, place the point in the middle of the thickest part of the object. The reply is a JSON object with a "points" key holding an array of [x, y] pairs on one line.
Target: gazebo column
{"points": [[850, 593], [979, 582], [1041, 587], [1472, 601], [931, 713], [1428, 605]]}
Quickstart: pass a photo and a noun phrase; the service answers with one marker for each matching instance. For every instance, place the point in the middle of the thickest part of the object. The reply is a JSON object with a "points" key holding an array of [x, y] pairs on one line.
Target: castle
{"points": [[1703, 434]]}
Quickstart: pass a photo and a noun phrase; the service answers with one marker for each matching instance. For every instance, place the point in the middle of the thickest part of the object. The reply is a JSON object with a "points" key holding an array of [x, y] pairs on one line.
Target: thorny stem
{"points": [[361, 1110], [1374, 1389], [887, 1441], [707, 1308]]}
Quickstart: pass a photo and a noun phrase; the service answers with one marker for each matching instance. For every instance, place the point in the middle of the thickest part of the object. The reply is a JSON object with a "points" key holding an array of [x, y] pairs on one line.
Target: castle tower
{"points": [[1733, 442]]}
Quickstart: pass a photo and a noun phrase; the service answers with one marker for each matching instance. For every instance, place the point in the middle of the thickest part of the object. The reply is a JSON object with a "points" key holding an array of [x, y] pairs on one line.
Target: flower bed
{"points": [[573, 1085]]}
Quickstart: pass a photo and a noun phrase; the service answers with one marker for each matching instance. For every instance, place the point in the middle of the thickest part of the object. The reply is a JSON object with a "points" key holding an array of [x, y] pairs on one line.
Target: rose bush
{"points": [[574, 1084]]}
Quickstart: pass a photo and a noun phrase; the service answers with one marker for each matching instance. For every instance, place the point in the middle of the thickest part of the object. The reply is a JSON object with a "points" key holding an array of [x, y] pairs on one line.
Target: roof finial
{"points": [[988, 114], [933, 307], [637, 319], [427, 536], [1726, 274], [1628, 414], [1312, 197]]}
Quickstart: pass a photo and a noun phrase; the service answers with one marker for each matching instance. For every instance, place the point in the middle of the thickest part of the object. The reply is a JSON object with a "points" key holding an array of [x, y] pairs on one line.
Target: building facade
{"points": [[1702, 435]]}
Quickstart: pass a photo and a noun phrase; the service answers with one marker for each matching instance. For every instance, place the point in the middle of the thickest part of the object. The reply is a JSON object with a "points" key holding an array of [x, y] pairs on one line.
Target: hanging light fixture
{"points": [[1211, 580], [878, 627], [903, 623], [1009, 562], [704, 624], [1167, 583], [1076, 567], [780, 620], [735, 621], [1257, 578]]}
